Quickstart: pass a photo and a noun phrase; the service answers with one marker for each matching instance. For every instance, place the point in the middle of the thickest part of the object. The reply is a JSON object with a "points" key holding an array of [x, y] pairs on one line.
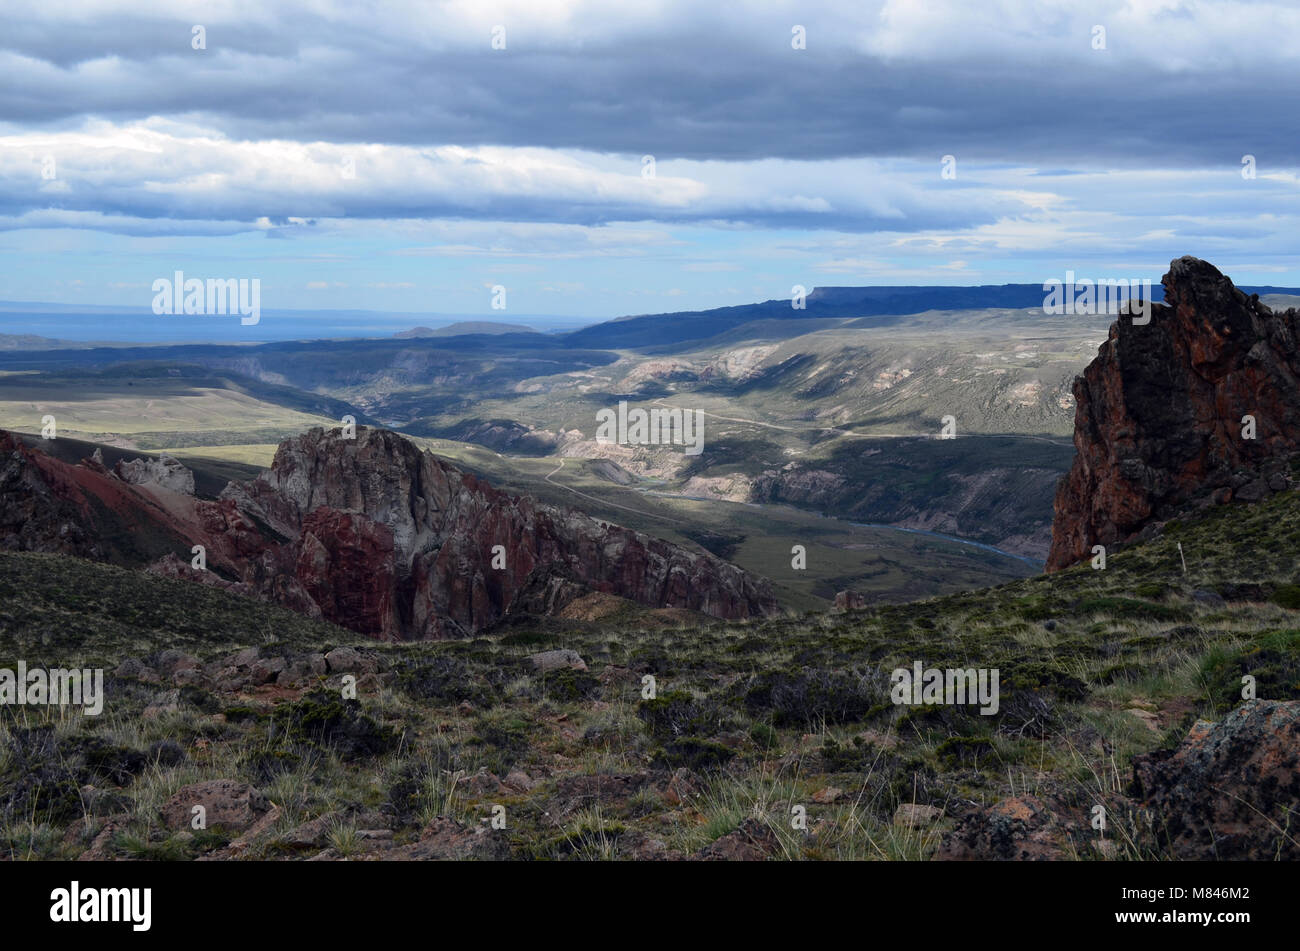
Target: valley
{"points": [[819, 431], [635, 653]]}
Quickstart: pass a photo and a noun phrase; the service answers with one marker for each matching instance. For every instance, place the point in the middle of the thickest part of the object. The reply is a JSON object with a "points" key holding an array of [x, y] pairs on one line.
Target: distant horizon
{"points": [[84, 324]]}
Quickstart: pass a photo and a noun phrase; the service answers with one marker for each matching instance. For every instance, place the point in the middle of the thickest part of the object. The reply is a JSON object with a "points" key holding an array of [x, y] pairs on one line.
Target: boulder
{"points": [[752, 841], [556, 660], [1231, 790], [849, 601], [1020, 829], [910, 814], [232, 805]]}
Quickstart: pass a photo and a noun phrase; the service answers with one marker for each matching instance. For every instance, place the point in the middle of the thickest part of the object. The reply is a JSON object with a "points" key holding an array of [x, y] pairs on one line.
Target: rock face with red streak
{"points": [[345, 565], [368, 532], [391, 541], [49, 506], [1159, 413]]}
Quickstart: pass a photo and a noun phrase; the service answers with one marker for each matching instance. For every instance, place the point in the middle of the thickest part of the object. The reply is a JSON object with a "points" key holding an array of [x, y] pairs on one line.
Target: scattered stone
{"points": [[682, 788], [130, 668], [911, 814], [613, 674], [445, 838], [312, 834], [265, 670], [1019, 829], [190, 676], [753, 841], [579, 791], [163, 702], [636, 846], [170, 661], [297, 673], [245, 658], [1252, 491], [518, 781], [232, 805], [348, 660], [101, 847], [1149, 719], [482, 783], [229, 679], [557, 660], [256, 833]]}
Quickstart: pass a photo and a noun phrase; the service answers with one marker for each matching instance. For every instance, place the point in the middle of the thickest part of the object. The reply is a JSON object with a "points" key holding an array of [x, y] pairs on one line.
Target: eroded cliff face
{"points": [[1159, 413], [371, 533]]}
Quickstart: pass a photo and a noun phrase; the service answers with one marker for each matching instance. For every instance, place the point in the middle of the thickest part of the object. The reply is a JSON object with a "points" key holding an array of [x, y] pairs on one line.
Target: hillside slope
{"points": [[1102, 674]]}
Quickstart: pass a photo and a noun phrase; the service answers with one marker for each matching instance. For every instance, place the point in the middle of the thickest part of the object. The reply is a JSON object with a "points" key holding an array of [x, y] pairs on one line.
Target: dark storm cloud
{"points": [[674, 90]]}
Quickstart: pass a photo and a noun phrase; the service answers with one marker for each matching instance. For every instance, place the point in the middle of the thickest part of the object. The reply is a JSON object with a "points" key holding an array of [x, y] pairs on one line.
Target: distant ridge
{"points": [[31, 342], [886, 303], [464, 327]]}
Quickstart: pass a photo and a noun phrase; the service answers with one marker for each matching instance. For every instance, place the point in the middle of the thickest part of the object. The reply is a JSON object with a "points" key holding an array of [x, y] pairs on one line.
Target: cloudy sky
{"points": [[599, 159]]}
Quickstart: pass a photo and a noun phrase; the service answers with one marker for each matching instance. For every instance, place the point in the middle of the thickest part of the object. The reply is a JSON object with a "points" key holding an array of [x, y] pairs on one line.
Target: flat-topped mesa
{"points": [[1201, 405]]}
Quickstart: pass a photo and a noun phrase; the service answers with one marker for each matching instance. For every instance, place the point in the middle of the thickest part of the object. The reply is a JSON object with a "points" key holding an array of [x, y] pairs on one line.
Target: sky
{"points": [[602, 159]]}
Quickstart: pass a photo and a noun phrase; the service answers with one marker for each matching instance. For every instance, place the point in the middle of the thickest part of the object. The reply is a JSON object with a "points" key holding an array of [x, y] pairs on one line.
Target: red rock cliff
{"points": [[369, 532], [1158, 413], [393, 541]]}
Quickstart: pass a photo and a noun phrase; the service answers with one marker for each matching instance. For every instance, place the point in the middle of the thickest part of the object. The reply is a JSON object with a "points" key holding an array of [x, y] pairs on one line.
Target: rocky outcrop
{"points": [[366, 531], [394, 542], [163, 471], [1159, 413], [1231, 789], [849, 601], [50, 506], [38, 510]]}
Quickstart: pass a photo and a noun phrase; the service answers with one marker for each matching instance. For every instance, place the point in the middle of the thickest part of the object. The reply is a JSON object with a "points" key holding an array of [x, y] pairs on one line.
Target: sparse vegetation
{"points": [[750, 719]]}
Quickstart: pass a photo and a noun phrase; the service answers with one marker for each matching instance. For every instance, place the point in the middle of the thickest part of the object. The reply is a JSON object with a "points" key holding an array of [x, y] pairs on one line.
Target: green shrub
{"points": [[1287, 596]]}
